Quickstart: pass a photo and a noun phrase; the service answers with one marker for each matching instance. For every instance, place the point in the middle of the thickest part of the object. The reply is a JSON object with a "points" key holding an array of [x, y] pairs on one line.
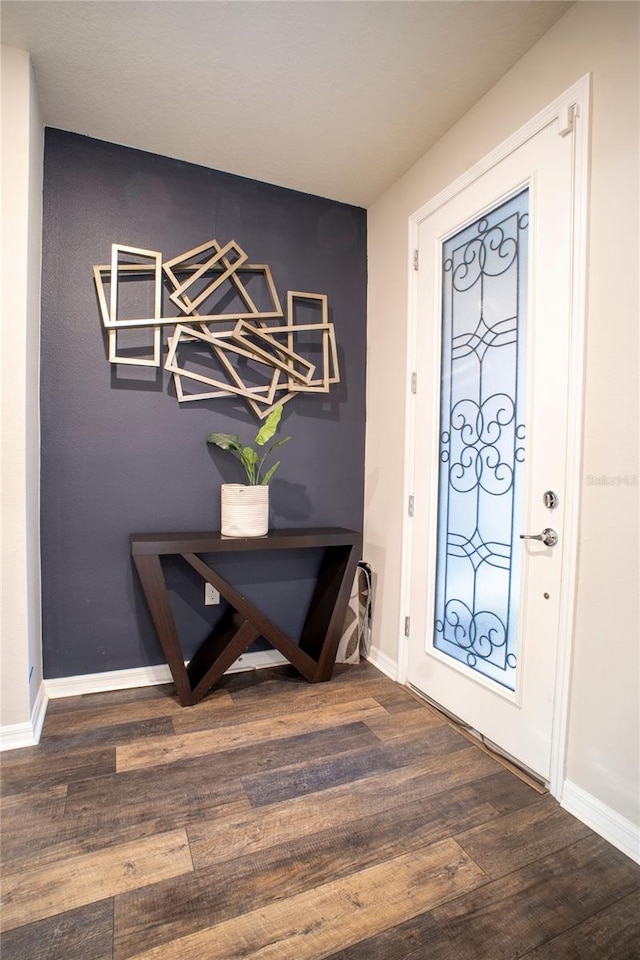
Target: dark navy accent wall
{"points": [[121, 455]]}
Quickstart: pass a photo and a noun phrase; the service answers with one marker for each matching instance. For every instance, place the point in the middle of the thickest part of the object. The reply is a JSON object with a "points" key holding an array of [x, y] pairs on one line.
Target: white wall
{"points": [[601, 38], [22, 151]]}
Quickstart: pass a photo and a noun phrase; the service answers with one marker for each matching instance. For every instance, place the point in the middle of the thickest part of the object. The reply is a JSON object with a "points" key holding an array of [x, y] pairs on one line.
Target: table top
{"points": [[212, 541]]}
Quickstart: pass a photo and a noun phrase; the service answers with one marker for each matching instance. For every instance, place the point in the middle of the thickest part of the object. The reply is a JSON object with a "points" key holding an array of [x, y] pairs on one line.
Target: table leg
{"points": [[228, 641], [155, 590], [325, 620]]}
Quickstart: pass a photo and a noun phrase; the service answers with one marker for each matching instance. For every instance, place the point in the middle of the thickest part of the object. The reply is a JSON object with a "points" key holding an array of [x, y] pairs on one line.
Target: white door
{"points": [[491, 422]]}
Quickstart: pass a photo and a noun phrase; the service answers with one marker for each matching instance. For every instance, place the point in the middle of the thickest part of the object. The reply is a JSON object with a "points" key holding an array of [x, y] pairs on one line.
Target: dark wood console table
{"points": [[242, 623]]}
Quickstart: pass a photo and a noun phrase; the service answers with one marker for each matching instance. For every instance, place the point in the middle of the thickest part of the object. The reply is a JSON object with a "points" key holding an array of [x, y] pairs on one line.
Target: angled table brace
{"points": [[242, 623]]}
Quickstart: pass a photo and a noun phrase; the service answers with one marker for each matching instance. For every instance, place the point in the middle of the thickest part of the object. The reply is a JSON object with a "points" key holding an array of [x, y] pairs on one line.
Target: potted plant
{"points": [[245, 507]]}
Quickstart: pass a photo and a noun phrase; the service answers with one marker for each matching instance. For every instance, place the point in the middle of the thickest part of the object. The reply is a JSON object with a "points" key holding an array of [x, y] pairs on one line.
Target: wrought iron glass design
{"points": [[482, 434]]}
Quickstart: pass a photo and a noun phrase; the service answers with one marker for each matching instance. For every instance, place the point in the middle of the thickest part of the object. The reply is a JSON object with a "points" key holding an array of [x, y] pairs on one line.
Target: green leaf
{"points": [[270, 473], [226, 441], [249, 458], [270, 426], [277, 444]]}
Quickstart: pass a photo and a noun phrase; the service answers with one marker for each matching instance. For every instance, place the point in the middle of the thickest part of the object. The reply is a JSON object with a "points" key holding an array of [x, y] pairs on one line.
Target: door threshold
{"points": [[520, 770]]}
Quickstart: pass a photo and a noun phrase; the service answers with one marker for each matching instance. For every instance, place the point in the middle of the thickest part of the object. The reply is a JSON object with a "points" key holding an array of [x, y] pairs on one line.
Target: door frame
{"points": [[571, 110]]}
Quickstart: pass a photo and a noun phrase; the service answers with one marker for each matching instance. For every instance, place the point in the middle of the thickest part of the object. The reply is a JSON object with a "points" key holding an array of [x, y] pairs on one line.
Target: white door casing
{"points": [[549, 156]]}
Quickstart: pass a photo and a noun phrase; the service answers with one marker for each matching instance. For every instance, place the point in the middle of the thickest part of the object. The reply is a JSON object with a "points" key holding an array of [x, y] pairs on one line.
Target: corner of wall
{"points": [[14, 736], [32, 401], [622, 833], [22, 162], [384, 663]]}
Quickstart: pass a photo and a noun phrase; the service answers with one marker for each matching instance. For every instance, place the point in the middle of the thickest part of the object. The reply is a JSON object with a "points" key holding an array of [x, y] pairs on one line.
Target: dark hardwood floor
{"points": [[284, 821]]}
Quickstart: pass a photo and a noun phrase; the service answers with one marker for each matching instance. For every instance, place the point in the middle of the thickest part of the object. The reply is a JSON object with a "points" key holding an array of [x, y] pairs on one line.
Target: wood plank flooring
{"points": [[279, 820]]}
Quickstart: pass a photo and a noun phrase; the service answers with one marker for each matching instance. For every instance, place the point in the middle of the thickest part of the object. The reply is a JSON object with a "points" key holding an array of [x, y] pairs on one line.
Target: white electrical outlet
{"points": [[211, 595]]}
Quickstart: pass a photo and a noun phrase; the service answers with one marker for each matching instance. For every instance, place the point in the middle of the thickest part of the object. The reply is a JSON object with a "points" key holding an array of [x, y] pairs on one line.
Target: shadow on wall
{"points": [[289, 500]]}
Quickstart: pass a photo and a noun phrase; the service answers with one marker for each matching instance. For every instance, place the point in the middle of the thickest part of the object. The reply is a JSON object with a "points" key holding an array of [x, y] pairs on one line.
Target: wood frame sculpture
{"points": [[249, 333]]}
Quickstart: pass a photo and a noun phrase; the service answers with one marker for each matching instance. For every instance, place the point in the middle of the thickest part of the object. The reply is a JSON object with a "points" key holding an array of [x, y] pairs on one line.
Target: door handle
{"points": [[548, 536]]}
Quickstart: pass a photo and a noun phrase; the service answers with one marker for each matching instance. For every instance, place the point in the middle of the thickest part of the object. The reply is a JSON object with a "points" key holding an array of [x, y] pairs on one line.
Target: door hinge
{"points": [[407, 626], [411, 503], [414, 383], [416, 259], [566, 119]]}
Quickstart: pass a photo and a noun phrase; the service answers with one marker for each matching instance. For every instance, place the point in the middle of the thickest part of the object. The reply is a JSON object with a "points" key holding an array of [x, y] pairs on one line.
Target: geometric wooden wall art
{"points": [[279, 363], [329, 369], [131, 267], [230, 313], [220, 261], [228, 275], [254, 395], [220, 342]]}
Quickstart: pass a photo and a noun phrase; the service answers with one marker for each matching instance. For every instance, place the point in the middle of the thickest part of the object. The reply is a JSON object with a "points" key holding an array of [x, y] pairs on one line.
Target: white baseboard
{"points": [[16, 735], [13, 736], [257, 661], [619, 831], [39, 712], [384, 663], [108, 680], [145, 676]]}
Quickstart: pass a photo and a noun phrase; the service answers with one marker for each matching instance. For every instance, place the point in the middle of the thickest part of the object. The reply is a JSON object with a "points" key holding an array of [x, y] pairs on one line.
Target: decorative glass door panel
{"points": [[482, 442]]}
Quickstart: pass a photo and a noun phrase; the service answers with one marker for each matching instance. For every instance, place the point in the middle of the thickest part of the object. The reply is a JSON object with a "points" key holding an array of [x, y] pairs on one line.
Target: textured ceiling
{"points": [[333, 98]]}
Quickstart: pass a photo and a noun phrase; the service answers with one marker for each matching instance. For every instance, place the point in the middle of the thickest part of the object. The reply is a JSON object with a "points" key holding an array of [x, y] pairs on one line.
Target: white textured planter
{"points": [[244, 511]]}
